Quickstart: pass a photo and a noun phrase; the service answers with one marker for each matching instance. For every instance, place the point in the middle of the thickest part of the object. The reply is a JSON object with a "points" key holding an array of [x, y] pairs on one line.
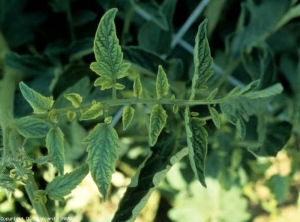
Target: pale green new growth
{"points": [[93, 112], [127, 116], [103, 143], [30, 127], [108, 120], [63, 185], [197, 145], [39, 103], [71, 115], [162, 84], [74, 98], [158, 119], [56, 148], [109, 63], [202, 60], [137, 86], [215, 116]]}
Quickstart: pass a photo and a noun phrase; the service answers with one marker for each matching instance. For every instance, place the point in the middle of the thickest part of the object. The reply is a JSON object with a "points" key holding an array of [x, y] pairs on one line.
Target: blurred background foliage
{"points": [[51, 43]]}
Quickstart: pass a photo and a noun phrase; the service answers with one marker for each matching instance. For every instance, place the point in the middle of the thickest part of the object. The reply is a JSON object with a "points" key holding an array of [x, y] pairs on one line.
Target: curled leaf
{"points": [[127, 116], [162, 84], [74, 98], [137, 87], [93, 112], [158, 119], [197, 145]]}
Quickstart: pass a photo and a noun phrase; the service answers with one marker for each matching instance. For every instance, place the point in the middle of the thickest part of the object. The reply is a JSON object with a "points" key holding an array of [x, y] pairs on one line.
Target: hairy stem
{"points": [[7, 92]]}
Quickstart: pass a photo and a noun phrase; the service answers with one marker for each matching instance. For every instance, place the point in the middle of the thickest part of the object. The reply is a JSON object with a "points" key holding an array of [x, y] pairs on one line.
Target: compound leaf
{"points": [[202, 60], [39, 103], [74, 98], [128, 113], [60, 186], [30, 127], [197, 145], [56, 148], [158, 119], [93, 112], [137, 86], [162, 84], [109, 57], [103, 143]]}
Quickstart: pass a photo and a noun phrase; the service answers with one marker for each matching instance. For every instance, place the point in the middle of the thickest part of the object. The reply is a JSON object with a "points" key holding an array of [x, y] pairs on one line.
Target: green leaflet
{"points": [[241, 128], [197, 145], [71, 115], [215, 116], [109, 57], [250, 87], [202, 60], [162, 84], [254, 102], [30, 127], [268, 92], [74, 98], [39, 103], [103, 143], [137, 86], [128, 113], [93, 112], [148, 176], [60, 186], [212, 94], [56, 148], [158, 119]]}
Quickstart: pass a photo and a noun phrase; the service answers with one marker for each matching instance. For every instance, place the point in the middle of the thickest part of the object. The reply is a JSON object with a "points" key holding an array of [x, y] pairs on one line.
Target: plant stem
{"points": [[7, 91], [30, 188]]}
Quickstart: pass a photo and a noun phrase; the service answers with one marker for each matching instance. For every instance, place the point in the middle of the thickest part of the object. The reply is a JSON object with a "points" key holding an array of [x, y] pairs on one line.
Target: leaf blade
{"points": [[30, 127], [56, 148], [197, 145], [109, 57], [39, 103], [162, 84], [127, 116], [202, 60], [103, 143], [62, 185], [158, 119]]}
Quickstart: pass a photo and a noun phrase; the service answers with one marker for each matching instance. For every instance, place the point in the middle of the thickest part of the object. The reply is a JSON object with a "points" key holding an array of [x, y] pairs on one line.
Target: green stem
{"points": [[30, 188], [7, 91], [134, 101]]}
